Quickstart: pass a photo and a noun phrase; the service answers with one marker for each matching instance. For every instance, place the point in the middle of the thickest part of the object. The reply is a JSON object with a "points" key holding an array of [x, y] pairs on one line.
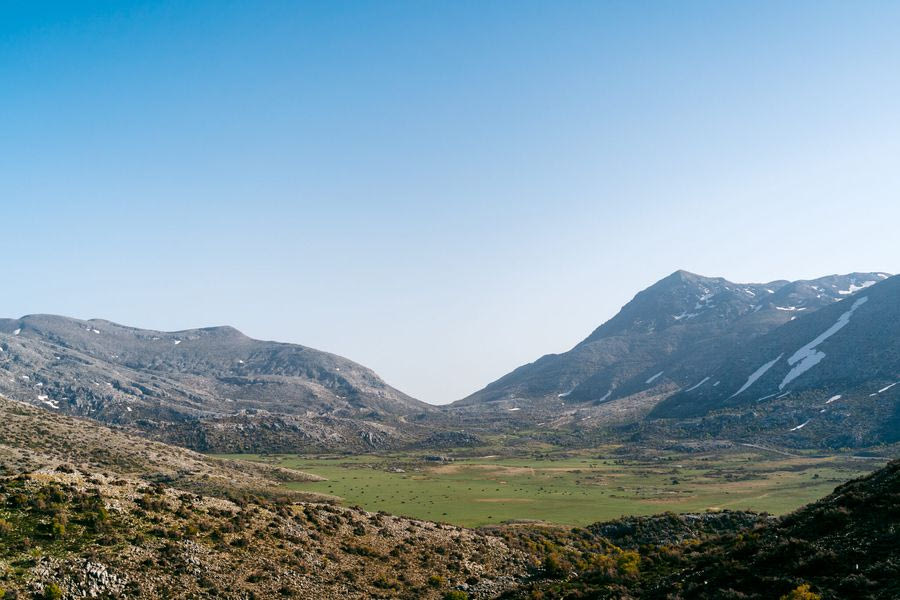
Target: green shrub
{"points": [[801, 592], [52, 592]]}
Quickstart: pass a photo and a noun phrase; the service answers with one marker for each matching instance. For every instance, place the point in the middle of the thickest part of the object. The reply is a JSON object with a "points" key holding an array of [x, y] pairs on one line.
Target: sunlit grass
{"points": [[574, 490]]}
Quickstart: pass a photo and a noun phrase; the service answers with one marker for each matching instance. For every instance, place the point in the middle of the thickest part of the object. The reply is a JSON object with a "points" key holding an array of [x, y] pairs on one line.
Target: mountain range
{"points": [[803, 363]]}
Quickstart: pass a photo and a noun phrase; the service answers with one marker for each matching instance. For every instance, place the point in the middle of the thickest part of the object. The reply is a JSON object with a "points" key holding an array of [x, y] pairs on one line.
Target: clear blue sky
{"points": [[439, 190]]}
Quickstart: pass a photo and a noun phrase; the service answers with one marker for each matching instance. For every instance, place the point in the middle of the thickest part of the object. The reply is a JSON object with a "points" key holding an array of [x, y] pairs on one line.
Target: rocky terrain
{"points": [[33, 439], [672, 332], [208, 389], [828, 378], [689, 358], [89, 511], [92, 536], [699, 358], [92, 512]]}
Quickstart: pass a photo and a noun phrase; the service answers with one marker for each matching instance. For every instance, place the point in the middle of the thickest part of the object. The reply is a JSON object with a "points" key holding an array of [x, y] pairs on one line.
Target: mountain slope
{"points": [[827, 375], [669, 333], [33, 439], [91, 512], [207, 388]]}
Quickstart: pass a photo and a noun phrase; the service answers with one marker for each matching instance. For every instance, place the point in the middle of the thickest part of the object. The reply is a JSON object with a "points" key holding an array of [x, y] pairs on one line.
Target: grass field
{"points": [[571, 489]]}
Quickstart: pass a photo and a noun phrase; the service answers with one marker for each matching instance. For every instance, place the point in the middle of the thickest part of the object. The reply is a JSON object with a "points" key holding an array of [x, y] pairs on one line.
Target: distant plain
{"points": [[571, 487]]}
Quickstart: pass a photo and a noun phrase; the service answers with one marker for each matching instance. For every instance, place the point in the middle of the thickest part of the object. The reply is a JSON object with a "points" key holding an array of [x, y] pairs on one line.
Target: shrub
{"points": [[384, 583], [52, 592], [456, 595], [58, 528], [553, 567], [801, 592]]}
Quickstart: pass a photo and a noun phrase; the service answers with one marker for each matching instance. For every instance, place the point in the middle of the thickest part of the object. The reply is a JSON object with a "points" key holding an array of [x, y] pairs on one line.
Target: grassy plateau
{"points": [[571, 488]]}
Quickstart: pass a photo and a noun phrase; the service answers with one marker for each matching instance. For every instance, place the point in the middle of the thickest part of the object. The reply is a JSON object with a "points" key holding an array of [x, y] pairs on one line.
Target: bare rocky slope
{"points": [[690, 358], [209, 389], [829, 378], [34, 439], [808, 363], [672, 332]]}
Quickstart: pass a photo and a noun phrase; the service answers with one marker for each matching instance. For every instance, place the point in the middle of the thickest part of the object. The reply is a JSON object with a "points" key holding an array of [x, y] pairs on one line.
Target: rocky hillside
{"points": [[76, 535], [211, 388], [92, 512], [805, 364], [670, 333], [828, 377], [33, 439]]}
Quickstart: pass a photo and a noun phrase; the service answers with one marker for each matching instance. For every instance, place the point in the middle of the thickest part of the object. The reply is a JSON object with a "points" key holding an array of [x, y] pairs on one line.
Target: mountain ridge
{"points": [[180, 385], [613, 353]]}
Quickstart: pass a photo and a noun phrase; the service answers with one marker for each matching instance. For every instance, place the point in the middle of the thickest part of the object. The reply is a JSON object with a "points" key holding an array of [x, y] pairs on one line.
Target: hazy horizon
{"points": [[440, 193]]}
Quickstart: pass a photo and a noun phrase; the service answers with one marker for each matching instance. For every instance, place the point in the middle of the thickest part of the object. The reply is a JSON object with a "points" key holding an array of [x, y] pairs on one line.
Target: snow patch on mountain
{"points": [[696, 385], [654, 377], [685, 315], [884, 389], [855, 288], [807, 357], [757, 374]]}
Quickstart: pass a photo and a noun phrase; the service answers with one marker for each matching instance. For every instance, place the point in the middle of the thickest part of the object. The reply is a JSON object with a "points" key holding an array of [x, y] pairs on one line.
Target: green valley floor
{"points": [[572, 488]]}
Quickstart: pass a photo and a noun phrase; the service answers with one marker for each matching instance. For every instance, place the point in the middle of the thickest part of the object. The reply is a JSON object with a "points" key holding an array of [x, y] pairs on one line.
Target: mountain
{"points": [[828, 377], [668, 334], [210, 389], [668, 364]]}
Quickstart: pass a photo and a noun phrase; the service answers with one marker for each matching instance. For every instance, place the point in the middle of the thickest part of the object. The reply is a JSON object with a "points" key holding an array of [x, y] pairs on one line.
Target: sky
{"points": [[441, 191]]}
